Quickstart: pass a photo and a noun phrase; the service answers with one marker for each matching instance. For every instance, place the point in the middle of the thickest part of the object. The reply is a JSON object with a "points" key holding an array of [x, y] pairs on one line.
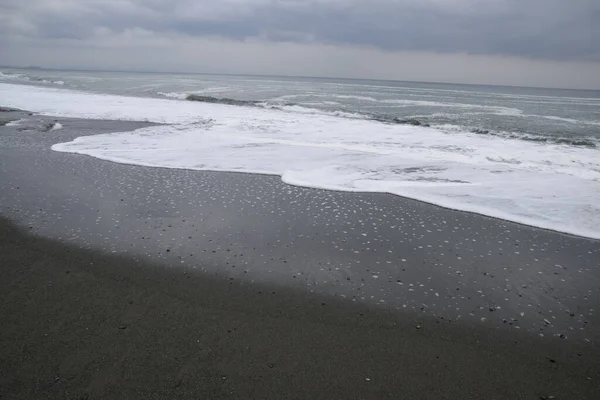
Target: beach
{"points": [[125, 281]]}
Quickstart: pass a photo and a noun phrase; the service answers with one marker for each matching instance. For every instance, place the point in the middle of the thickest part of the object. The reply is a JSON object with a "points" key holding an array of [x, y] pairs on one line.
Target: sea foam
{"points": [[546, 185]]}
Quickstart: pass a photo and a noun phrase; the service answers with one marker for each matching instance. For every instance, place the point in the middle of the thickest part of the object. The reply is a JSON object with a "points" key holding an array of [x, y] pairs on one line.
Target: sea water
{"points": [[521, 154]]}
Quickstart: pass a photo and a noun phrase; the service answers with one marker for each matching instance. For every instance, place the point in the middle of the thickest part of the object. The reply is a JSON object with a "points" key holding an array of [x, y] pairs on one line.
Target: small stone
{"points": [[122, 327]]}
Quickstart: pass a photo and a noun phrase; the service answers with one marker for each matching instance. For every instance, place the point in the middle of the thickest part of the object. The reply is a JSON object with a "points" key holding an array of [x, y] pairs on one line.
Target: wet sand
{"points": [[239, 286], [82, 324]]}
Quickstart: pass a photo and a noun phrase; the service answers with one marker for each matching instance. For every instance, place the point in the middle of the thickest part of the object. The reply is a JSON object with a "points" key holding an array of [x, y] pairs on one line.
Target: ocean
{"points": [[526, 155]]}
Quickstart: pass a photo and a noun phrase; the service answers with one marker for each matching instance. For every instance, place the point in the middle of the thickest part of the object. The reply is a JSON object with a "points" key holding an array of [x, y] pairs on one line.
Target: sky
{"points": [[548, 43]]}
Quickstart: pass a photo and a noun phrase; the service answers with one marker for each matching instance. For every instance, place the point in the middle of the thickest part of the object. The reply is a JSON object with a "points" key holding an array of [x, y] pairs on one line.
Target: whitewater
{"points": [[547, 185]]}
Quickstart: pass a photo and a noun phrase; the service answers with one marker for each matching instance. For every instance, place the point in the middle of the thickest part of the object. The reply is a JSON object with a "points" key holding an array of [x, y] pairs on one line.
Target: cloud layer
{"points": [[552, 30], [549, 29]]}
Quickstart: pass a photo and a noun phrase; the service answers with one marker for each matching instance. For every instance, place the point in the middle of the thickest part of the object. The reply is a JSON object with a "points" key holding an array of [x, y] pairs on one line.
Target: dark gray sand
{"points": [[239, 286], [78, 324]]}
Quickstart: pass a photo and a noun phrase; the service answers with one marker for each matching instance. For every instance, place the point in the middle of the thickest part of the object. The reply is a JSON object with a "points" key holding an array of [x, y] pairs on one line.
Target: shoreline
{"points": [[360, 192], [590, 236], [182, 257], [390, 251]]}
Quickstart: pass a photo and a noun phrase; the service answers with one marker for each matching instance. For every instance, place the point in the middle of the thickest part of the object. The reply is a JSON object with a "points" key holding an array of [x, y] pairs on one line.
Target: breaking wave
{"points": [[25, 78], [525, 181], [537, 137], [391, 119]]}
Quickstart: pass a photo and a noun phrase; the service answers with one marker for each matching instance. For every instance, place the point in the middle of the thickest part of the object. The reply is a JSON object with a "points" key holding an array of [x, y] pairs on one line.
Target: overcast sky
{"points": [[552, 43]]}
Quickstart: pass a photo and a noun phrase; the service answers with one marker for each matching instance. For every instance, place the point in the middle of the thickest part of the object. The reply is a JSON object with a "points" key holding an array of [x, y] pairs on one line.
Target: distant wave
{"points": [[543, 185], [298, 108], [179, 96], [531, 137], [222, 100], [25, 78], [384, 118]]}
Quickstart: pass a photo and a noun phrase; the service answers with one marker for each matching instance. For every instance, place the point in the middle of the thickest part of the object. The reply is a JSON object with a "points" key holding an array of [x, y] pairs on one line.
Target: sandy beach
{"points": [[123, 281]]}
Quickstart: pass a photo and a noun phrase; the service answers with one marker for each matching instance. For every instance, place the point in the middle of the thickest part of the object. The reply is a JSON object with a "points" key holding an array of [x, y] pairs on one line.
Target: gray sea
{"points": [[553, 115], [528, 155]]}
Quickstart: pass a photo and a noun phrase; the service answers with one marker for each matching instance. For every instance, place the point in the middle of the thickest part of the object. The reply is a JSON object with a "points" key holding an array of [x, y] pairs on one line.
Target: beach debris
{"points": [[368, 379], [122, 327], [418, 326]]}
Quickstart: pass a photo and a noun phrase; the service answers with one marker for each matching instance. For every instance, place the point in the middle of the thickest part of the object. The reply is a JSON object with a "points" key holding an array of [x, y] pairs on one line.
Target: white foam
{"points": [[13, 77], [314, 111], [25, 78], [494, 109], [550, 186], [561, 119], [173, 95], [353, 97], [329, 96], [56, 126], [16, 122], [213, 90]]}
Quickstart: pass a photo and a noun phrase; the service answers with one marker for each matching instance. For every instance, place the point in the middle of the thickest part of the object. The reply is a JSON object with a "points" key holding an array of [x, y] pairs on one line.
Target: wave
{"points": [[390, 119], [222, 100], [421, 120], [540, 138], [425, 103], [398, 121], [293, 107], [520, 181], [179, 96], [27, 78], [569, 120], [588, 142]]}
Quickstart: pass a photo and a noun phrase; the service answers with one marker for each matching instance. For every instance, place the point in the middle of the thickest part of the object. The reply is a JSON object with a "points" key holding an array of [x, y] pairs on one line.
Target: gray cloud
{"points": [[550, 43], [543, 29]]}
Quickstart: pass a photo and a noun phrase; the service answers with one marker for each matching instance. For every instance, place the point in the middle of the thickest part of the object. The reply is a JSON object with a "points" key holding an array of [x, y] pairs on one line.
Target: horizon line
{"points": [[83, 69]]}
